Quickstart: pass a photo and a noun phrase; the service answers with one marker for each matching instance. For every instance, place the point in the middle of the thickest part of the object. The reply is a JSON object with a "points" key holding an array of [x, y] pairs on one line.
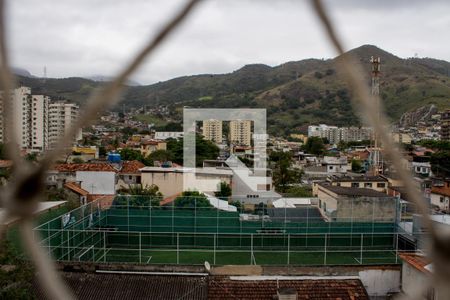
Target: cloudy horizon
{"points": [[94, 37]]}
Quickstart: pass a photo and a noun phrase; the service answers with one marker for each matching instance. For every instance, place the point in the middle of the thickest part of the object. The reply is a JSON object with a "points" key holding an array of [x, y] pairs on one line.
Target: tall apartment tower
{"points": [[445, 125], [212, 130], [241, 132], [39, 123], [62, 115], [36, 119]]}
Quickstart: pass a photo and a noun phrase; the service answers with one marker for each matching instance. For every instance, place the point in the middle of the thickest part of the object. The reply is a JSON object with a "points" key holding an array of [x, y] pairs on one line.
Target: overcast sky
{"points": [[95, 37]]}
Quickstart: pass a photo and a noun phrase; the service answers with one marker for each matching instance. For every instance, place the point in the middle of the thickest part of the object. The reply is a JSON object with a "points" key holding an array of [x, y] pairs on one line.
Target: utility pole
{"points": [[376, 62]]}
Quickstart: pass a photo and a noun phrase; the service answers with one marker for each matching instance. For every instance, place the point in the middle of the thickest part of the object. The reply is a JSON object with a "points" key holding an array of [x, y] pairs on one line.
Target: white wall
{"points": [[380, 282], [97, 182]]}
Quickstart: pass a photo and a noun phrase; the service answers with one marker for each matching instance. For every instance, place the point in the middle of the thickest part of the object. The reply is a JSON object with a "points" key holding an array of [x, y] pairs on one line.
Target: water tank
{"points": [[113, 157]]}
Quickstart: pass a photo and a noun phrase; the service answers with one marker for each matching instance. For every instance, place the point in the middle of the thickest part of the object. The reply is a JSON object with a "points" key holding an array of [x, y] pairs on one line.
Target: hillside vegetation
{"points": [[294, 93]]}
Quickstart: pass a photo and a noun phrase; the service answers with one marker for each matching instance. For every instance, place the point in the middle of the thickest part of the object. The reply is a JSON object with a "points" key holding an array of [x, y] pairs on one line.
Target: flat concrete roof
{"points": [[42, 207]]}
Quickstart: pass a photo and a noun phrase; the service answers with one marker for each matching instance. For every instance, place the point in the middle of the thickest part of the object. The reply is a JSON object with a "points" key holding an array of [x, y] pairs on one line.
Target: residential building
{"points": [[445, 125], [241, 132], [355, 204], [416, 272], [212, 130], [130, 174], [336, 134], [440, 195], [37, 121], [170, 181], [62, 115], [150, 146], [402, 138], [164, 135], [376, 183]]}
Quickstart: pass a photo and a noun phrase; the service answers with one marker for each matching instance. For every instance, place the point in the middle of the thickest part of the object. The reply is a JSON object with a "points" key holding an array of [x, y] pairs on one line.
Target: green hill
{"points": [[294, 93]]}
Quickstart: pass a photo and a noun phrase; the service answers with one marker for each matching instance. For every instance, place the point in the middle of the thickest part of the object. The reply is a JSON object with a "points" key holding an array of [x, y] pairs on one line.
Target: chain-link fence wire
{"points": [[20, 197]]}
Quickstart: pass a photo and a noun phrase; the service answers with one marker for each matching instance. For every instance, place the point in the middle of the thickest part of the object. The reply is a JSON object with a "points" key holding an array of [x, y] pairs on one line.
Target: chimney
{"points": [[286, 293]]}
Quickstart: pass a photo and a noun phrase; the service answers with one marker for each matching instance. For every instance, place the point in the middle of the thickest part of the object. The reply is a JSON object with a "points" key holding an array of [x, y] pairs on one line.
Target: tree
{"points": [[224, 191], [314, 145], [140, 196], [299, 191], [283, 174], [130, 154], [356, 165], [160, 155], [203, 150], [192, 199], [440, 163], [77, 160]]}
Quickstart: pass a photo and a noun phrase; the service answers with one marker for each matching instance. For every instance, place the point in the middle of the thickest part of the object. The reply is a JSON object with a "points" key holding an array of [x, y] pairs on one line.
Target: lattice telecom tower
{"points": [[376, 166]]}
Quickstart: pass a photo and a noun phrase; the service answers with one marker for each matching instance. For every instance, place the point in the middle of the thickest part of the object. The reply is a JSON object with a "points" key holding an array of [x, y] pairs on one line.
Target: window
{"points": [[368, 184], [381, 184], [441, 199], [355, 184]]}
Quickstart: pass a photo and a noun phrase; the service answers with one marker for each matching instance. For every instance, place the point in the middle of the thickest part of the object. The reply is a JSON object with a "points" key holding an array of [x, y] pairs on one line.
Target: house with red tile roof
{"points": [[440, 195], [129, 174], [416, 270]]}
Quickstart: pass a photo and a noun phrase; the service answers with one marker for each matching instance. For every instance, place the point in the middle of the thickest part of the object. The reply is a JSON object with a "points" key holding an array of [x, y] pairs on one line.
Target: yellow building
{"points": [[241, 132], [401, 138], [89, 150], [212, 131], [148, 147]]}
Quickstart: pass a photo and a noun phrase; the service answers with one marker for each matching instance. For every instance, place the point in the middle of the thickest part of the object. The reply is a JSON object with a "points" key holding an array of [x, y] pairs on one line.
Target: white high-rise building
{"points": [[241, 132], [36, 120], [62, 115], [212, 130], [39, 123]]}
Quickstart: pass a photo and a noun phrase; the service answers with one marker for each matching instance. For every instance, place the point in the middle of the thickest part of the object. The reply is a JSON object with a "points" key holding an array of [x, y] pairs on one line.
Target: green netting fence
{"points": [[170, 235]]}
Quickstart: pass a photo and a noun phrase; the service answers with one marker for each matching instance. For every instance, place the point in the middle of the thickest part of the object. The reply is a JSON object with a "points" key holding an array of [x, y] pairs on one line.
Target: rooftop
{"points": [[76, 188], [126, 286], [418, 261], [359, 178], [311, 289], [351, 191], [93, 167], [131, 167]]}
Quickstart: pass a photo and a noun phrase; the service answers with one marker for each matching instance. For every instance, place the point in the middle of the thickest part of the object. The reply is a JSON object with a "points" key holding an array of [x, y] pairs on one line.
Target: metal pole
{"points": [[178, 248], [68, 245], [251, 249], [48, 238], [325, 250], [104, 246], [396, 248], [140, 248], [288, 246], [361, 254]]}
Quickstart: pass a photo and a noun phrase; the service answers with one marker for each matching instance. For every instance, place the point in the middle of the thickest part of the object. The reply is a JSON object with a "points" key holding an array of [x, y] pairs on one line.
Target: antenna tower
{"points": [[376, 162]]}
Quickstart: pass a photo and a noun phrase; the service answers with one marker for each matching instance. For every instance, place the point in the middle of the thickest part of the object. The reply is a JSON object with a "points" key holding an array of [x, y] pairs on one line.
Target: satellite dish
{"points": [[207, 266]]}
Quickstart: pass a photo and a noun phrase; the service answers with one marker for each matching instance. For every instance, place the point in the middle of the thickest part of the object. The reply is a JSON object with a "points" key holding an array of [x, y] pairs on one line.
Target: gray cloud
{"points": [[86, 37]]}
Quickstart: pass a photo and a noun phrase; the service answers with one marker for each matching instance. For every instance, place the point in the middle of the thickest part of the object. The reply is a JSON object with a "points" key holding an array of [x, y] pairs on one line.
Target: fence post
{"points": [[325, 250], [104, 246], [68, 245], [361, 254], [251, 249], [48, 238], [215, 245], [396, 248], [288, 246], [140, 248], [178, 248]]}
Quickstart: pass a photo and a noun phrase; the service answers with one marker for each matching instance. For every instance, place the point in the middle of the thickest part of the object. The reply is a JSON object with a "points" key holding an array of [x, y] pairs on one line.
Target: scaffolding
{"points": [[123, 232]]}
